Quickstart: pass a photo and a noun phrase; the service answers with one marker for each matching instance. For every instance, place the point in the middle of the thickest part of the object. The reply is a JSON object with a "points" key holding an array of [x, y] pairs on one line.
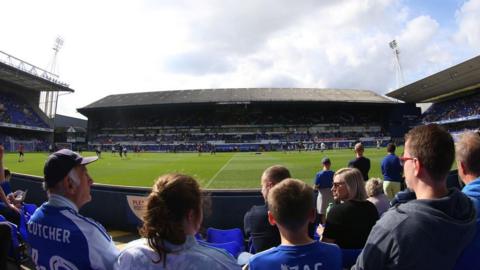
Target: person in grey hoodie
{"points": [[431, 231]]}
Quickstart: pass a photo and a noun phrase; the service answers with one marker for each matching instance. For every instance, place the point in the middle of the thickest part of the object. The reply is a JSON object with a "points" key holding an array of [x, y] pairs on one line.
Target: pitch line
{"points": [[219, 171]]}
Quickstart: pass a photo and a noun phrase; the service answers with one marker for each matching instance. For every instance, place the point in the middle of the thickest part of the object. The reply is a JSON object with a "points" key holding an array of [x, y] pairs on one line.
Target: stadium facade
{"points": [[246, 119]]}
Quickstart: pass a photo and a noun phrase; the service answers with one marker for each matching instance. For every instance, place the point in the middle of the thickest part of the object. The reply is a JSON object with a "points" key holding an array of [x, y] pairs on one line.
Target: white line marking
{"points": [[219, 171]]}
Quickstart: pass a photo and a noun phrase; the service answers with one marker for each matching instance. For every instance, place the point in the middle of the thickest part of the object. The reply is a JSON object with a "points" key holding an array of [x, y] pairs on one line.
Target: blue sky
{"points": [[122, 46]]}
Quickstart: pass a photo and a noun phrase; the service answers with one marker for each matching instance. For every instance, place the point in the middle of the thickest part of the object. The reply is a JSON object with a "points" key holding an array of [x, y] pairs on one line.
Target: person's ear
{"points": [[417, 166], [462, 167], [271, 219]]}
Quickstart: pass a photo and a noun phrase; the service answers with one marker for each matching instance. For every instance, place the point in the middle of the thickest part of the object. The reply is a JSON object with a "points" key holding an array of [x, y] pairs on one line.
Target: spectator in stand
{"points": [[260, 232], [323, 184], [290, 208], [439, 224], [349, 223], [468, 164], [374, 188], [360, 162], [72, 241], [173, 217], [392, 172], [7, 209]]}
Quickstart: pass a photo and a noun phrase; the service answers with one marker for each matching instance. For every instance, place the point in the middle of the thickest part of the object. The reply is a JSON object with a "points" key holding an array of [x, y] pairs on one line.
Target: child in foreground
{"points": [[291, 209]]}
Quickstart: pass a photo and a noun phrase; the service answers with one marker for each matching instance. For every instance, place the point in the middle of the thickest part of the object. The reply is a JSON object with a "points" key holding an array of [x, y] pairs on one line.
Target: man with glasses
{"points": [[429, 232]]}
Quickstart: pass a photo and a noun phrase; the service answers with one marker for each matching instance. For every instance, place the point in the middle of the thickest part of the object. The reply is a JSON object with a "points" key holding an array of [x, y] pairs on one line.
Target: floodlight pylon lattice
{"points": [[398, 67], [49, 99]]}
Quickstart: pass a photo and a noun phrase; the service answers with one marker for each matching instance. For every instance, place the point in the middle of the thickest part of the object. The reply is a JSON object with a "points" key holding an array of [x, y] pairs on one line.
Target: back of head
{"points": [[290, 202], [275, 174], [374, 187], [391, 148], [433, 146], [359, 148], [353, 179], [468, 152], [173, 196], [7, 173]]}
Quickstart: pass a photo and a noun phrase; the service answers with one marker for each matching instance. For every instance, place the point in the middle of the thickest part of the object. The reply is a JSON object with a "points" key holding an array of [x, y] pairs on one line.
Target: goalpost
{"points": [[29, 146], [63, 146]]}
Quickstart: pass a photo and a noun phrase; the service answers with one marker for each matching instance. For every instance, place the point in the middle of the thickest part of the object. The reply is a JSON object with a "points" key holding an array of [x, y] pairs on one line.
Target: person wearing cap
{"points": [[59, 236], [360, 162], [323, 184]]}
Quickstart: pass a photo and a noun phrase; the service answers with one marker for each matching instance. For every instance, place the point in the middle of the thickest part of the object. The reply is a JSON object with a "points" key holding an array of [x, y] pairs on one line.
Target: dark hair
{"points": [[433, 146], [468, 152], [391, 148], [172, 197], [6, 173], [276, 173], [290, 202]]}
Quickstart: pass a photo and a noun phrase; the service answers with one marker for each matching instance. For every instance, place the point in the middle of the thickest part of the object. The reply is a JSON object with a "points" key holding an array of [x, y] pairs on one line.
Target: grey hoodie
{"points": [[420, 234]]}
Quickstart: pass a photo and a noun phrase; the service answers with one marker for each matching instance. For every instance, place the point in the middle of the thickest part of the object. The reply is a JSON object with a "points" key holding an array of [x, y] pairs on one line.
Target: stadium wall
{"points": [[110, 207]]}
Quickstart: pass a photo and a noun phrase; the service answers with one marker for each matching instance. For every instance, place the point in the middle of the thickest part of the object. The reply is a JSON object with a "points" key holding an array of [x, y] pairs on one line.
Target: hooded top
{"points": [[421, 234]]}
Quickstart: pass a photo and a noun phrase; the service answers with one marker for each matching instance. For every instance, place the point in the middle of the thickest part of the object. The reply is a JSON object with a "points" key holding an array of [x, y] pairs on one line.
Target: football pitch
{"points": [[237, 170]]}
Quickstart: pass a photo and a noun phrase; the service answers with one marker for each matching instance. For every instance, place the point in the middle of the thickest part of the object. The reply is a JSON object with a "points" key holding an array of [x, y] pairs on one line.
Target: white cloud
{"points": [[121, 46], [468, 18]]}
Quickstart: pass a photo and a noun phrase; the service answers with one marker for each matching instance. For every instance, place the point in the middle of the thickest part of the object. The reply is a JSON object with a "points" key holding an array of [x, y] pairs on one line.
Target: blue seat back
{"points": [[225, 236]]}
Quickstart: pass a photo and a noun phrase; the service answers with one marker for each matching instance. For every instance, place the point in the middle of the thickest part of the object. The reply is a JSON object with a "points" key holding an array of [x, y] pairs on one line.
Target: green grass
{"points": [[220, 171]]}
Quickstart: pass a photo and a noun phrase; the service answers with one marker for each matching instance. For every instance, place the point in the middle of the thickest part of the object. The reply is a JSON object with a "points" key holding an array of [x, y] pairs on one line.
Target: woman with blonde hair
{"points": [[350, 221], [173, 216]]}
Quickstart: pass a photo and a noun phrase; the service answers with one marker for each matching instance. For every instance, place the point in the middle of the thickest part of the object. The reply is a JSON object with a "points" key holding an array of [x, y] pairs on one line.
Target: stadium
{"points": [[204, 132]]}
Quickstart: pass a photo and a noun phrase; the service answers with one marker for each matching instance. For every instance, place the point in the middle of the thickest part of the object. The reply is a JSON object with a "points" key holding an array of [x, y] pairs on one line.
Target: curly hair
{"points": [[173, 196], [374, 187]]}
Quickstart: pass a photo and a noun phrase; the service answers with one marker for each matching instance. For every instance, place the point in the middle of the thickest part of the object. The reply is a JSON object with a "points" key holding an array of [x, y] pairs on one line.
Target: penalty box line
{"points": [[219, 171]]}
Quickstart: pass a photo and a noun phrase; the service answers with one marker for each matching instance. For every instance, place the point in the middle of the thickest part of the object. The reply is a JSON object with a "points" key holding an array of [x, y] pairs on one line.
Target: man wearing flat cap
{"points": [[60, 237]]}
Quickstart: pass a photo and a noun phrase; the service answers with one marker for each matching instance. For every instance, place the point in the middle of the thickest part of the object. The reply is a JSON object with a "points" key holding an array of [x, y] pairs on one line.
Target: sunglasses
{"points": [[337, 184]]}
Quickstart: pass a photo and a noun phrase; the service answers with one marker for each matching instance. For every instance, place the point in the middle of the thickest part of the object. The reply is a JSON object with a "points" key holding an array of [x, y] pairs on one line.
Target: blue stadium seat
{"points": [[224, 236], [231, 247], [349, 257]]}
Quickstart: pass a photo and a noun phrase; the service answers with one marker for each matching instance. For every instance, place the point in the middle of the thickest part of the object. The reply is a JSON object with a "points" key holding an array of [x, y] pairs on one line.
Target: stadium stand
{"points": [[21, 120], [455, 110], [454, 94], [249, 119]]}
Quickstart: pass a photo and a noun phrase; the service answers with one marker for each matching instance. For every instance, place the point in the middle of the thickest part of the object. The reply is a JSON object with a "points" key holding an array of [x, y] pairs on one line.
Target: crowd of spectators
{"points": [[187, 137], [13, 110], [453, 109]]}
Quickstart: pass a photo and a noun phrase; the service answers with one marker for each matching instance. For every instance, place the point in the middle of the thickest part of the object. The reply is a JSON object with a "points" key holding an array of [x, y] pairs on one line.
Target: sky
{"points": [[119, 46]]}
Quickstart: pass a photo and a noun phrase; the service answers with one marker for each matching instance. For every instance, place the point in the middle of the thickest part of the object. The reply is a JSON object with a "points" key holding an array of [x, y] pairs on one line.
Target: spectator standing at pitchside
{"points": [[323, 184], [392, 172], [360, 162]]}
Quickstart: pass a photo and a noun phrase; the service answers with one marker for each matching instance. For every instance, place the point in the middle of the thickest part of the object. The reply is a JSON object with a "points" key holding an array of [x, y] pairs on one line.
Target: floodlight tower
{"points": [[398, 67], [50, 98]]}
